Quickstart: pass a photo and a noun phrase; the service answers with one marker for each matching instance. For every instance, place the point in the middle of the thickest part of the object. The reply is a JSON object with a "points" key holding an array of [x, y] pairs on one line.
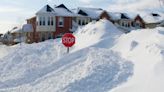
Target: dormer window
{"points": [[154, 14], [61, 22]]}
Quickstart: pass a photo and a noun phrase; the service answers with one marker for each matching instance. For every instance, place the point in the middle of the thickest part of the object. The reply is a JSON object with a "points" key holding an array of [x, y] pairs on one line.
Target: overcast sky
{"points": [[15, 12]]}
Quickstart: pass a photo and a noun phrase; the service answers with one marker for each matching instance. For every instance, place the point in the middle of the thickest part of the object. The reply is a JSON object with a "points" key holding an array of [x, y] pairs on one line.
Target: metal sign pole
{"points": [[67, 49]]}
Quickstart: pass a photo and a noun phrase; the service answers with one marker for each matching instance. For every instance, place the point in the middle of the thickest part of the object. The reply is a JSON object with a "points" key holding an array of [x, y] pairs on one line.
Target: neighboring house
{"points": [[122, 21], [161, 24], [152, 20], [139, 22], [93, 13], [27, 33], [1, 37], [17, 35]]}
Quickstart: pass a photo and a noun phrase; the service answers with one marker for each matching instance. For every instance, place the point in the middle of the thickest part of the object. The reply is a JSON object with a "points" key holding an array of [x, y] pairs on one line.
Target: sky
{"points": [[15, 12]]}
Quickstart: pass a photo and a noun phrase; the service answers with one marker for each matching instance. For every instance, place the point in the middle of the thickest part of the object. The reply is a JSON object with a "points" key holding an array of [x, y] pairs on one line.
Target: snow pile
{"points": [[145, 48], [45, 67], [100, 34], [18, 67], [5, 50], [80, 72]]}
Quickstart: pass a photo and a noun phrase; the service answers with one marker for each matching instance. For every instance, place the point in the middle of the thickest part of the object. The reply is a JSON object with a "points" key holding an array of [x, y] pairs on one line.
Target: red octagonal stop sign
{"points": [[68, 40]]}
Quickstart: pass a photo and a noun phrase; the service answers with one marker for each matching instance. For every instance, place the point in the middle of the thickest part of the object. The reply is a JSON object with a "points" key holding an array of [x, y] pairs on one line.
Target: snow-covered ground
{"points": [[103, 60], [145, 48]]}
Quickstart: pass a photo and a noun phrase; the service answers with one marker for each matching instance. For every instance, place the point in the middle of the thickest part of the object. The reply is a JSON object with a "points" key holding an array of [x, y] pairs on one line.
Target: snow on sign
{"points": [[68, 40]]}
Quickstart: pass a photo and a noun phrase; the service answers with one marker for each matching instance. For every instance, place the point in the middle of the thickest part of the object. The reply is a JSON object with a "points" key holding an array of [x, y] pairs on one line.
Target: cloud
{"points": [[134, 5], [9, 9], [85, 1]]}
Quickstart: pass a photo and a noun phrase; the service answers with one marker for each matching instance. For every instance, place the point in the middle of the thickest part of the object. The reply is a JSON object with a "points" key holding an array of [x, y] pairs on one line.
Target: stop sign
{"points": [[68, 40]]}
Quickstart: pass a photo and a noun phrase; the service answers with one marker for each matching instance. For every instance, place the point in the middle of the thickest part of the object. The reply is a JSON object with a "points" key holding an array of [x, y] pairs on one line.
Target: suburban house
{"points": [[161, 24], [152, 20], [50, 23], [139, 22], [17, 35], [1, 37], [93, 13]]}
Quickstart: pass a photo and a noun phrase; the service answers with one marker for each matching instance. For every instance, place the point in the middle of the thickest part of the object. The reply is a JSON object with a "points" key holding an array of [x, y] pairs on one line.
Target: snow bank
{"points": [[100, 34], [145, 48], [99, 70], [20, 66]]}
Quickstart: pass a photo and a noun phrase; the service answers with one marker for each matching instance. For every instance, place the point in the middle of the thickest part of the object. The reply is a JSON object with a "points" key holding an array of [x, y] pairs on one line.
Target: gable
{"points": [[63, 6], [82, 13], [49, 9], [155, 15], [123, 16]]}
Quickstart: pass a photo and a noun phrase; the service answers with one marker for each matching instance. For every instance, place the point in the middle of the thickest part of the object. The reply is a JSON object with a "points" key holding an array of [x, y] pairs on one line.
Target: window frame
{"points": [[61, 20]]}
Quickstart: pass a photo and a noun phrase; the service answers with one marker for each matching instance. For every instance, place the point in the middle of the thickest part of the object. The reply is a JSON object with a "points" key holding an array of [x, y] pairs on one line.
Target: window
{"points": [[61, 22], [79, 22], [44, 21], [48, 21], [40, 21], [52, 22], [123, 24]]}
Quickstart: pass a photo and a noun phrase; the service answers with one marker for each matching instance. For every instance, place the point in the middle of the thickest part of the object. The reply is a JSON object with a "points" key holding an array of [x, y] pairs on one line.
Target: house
{"points": [[121, 20], [139, 22], [32, 21], [27, 33], [50, 23], [17, 35], [93, 13], [161, 24], [9, 37], [1, 37], [152, 20]]}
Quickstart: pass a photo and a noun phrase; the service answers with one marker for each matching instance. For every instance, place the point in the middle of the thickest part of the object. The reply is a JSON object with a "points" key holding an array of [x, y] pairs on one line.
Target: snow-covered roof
{"points": [[114, 15], [152, 18], [63, 12], [27, 28], [94, 13], [119, 15], [60, 10], [16, 30], [46, 9]]}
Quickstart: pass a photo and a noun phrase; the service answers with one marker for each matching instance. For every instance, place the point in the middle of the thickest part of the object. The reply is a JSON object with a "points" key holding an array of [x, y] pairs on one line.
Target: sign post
{"points": [[68, 40]]}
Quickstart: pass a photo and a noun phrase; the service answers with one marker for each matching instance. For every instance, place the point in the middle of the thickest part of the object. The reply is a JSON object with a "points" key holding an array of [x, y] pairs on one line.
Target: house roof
{"points": [[15, 30], [118, 15], [152, 18], [94, 13], [46, 9], [60, 10]]}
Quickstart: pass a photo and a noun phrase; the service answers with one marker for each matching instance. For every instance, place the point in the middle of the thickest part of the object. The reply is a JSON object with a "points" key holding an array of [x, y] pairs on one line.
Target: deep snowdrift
{"points": [[45, 67], [146, 49], [95, 63], [101, 34]]}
